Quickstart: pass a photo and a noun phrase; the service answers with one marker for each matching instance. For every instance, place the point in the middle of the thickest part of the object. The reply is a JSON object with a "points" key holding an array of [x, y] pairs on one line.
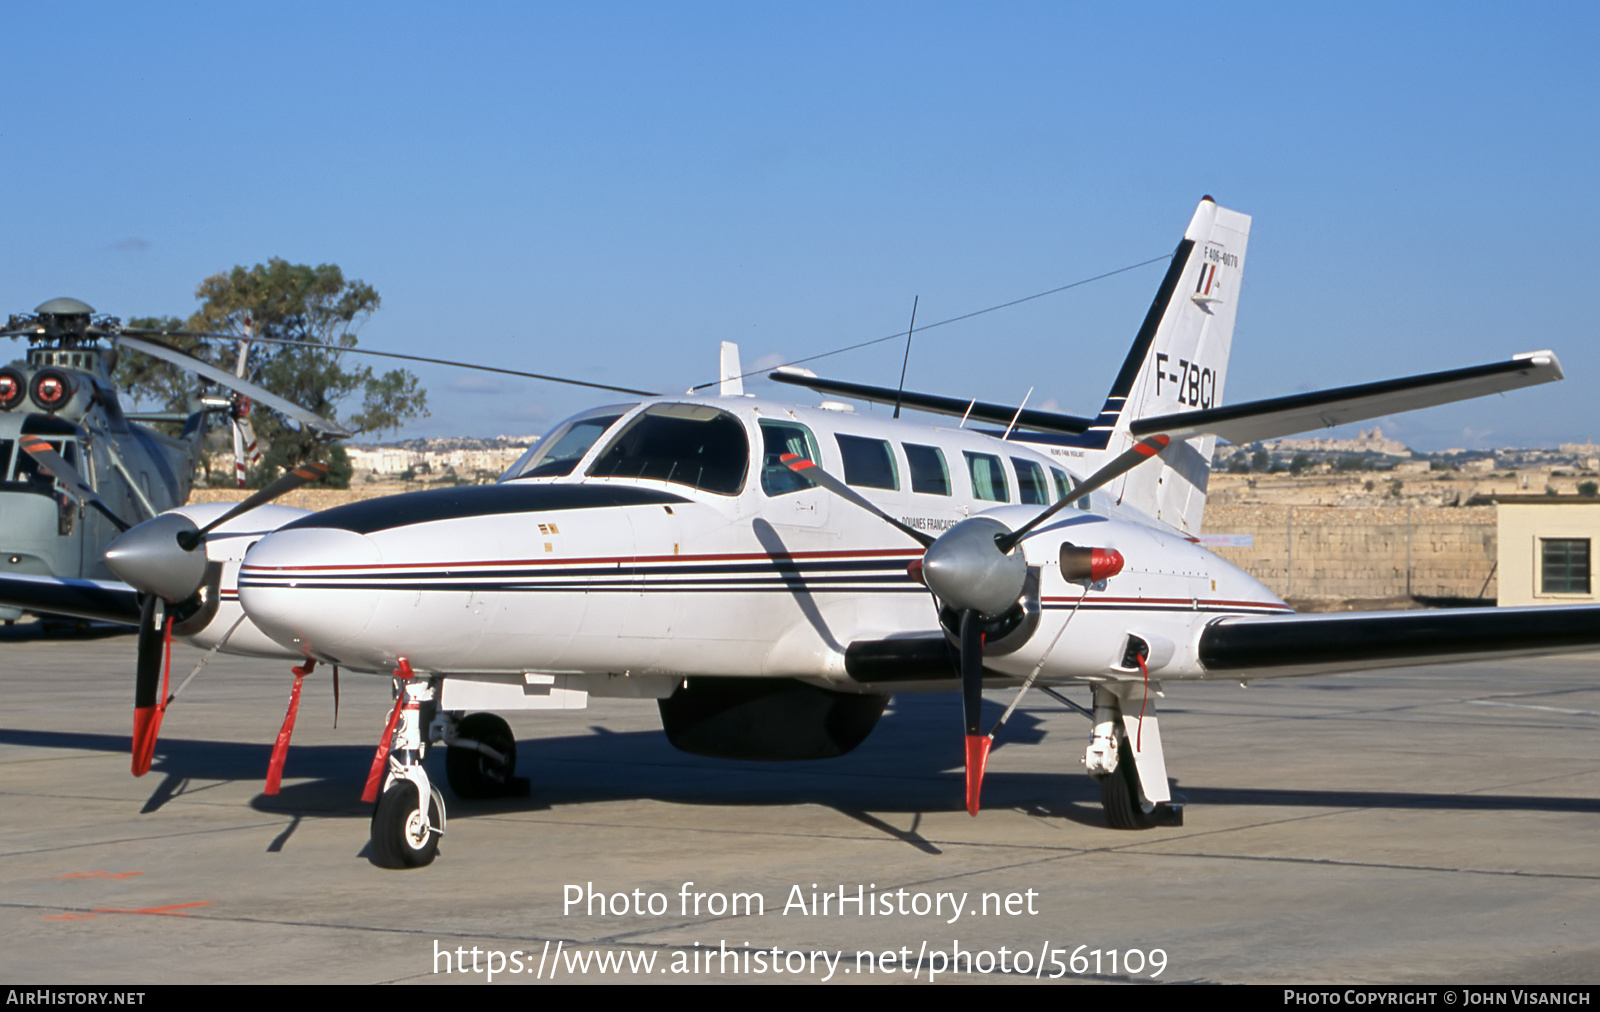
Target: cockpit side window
{"points": [[559, 452], [777, 439], [988, 477], [28, 469], [687, 444], [868, 463]]}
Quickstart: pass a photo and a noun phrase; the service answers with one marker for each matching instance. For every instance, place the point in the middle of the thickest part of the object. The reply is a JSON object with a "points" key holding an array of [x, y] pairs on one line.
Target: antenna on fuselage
{"points": [[907, 361], [1014, 417]]}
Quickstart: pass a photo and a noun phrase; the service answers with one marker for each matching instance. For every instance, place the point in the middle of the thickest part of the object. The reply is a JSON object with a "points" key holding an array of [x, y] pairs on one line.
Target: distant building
{"points": [[1546, 549], [465, 457]]}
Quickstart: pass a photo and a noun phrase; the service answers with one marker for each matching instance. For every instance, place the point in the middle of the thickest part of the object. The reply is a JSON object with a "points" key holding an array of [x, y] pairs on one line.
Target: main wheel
{"points": [[472, 774], [1119, 795], [400, 839]]}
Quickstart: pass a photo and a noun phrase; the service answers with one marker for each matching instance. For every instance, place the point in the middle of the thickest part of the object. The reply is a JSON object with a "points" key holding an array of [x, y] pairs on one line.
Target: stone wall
{"points": [[1330, 552]]}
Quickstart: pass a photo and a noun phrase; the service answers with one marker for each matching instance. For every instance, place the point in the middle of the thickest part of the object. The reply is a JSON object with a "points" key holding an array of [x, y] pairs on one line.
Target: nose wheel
{"points": [[401, 836]]}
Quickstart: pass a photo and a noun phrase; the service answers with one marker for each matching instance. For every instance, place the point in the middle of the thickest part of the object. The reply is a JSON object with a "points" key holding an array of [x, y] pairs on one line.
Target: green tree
{"points": [[319, 310]]}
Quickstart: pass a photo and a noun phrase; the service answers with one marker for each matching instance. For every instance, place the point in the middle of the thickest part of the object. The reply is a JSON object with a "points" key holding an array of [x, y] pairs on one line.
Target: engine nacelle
{"points": [[767, 718]]}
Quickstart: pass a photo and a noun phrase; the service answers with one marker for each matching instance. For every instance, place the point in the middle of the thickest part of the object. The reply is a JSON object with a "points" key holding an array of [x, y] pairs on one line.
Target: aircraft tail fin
{"points": [[1178, 362]]}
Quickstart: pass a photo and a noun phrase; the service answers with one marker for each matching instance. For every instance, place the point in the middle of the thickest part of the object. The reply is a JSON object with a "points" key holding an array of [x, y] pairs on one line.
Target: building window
{"points": [[1564, 565]]}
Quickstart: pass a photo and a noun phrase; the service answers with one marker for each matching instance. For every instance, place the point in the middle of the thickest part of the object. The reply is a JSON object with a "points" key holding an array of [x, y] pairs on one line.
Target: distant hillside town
{"points": [[1372, 451], [467, 459]]}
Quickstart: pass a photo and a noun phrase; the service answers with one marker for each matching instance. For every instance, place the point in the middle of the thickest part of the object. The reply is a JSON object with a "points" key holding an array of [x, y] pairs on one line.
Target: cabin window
{"points": [[559, 452], [988, 477], [929, 476], [868, 463], [686, 444], [1564, 565], [1030, 483], [777, 439]]}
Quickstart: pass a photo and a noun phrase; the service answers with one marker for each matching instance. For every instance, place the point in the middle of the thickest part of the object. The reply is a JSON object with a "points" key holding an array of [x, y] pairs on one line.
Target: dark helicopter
{"points": [[55, 523]]}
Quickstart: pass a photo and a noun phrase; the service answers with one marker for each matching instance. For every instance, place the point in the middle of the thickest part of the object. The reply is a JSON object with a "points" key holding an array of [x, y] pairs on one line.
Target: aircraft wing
{"points": [[1246, 647], [97, 600], [978, 411], [1284, 416]]}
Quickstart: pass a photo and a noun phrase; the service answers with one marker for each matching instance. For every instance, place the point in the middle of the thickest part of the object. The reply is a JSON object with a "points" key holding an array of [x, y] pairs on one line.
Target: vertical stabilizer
{"points": [[731, 381], [1179, 362]]}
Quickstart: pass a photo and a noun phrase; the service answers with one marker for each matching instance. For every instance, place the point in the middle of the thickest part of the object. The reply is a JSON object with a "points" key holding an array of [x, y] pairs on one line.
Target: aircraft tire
{"points": [[473, 775], [1119, 795], [398, 837]]}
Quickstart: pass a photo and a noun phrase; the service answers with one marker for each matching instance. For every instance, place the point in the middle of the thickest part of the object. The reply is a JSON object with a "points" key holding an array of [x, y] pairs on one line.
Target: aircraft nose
{"points": [[312, 589]]}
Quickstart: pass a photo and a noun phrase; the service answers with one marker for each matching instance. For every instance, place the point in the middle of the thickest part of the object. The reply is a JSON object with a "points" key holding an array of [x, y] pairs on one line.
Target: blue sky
{"points": [[606, 191]]}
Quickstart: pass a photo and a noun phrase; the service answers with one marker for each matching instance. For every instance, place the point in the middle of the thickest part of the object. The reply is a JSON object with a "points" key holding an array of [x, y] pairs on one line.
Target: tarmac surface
{"points": [[1415, 825]]}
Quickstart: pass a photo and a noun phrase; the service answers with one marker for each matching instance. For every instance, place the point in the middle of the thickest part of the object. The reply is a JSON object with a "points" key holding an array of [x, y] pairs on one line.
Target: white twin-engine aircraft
{"points": [[770, 573]]}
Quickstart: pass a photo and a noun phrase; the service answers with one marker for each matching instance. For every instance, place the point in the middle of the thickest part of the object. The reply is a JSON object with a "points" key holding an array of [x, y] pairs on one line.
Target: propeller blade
{"points": [[222, 377], [1141, 451], [153, 656], [813, 472], [303, 474], [72, 482], [972, 705]]}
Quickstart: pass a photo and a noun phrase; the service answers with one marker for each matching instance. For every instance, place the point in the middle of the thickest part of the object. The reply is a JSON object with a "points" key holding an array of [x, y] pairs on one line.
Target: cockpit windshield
{"points": [[687, 444], [28, 471], [559, 452]]}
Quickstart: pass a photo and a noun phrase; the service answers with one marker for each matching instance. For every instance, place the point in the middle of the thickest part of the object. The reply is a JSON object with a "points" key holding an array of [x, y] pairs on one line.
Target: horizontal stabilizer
{"points": [[1284, 416], [1270, 647], [977, 411], [96, 600]]}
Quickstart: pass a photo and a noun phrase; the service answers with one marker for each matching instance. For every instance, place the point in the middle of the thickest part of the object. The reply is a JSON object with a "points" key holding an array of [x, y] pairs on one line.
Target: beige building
{"points": [[1545, 548]]}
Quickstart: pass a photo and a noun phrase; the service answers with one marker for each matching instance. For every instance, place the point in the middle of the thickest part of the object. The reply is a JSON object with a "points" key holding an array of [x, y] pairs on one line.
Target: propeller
{"points": [[978, 569], [161, 559], [160, 556]]}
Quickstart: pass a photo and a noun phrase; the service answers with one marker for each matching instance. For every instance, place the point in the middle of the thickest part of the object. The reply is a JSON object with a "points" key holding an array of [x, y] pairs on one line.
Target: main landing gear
{"points": [[480, 762], [1125, 755]]}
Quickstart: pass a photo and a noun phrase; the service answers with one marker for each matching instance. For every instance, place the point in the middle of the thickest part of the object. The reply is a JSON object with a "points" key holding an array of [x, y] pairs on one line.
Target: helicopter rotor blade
{"points": [[222, 377], [391, 354]]}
